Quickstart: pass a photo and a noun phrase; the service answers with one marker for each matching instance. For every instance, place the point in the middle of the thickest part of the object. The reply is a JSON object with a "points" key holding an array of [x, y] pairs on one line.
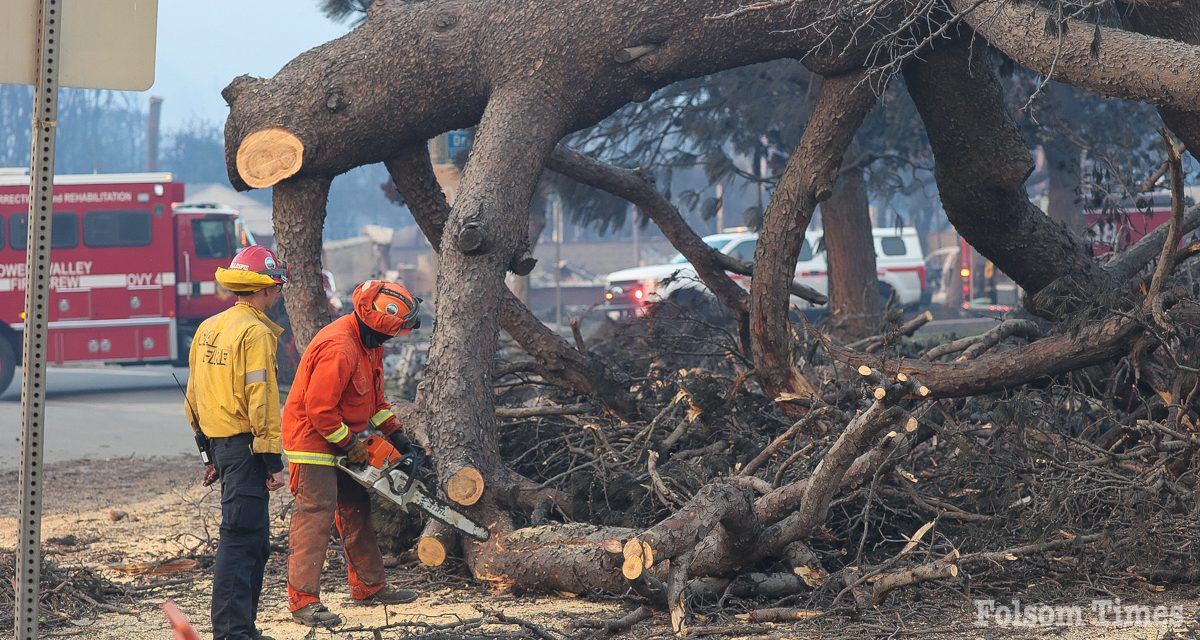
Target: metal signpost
{"points": [[37, 310], [110, 45]]}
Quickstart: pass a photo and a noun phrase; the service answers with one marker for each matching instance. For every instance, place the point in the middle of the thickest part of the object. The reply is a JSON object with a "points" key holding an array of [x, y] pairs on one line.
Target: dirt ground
{"points": [[123, 516]]}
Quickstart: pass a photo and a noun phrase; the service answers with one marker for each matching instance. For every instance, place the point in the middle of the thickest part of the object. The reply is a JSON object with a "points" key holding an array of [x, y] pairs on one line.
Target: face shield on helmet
{"points": [[386, 307]]}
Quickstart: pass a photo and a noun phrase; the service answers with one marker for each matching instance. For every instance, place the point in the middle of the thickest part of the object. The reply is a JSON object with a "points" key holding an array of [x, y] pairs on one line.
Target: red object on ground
{"points": [[181, 627]]}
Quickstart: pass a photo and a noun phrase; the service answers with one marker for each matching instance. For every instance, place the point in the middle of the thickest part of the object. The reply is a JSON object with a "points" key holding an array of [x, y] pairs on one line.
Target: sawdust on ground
{"points": [[138, 512]]}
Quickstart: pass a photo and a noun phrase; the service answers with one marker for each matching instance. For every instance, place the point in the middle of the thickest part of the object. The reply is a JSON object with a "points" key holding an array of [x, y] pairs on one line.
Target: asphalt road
{"points": [[102, 413], [115, 412]]}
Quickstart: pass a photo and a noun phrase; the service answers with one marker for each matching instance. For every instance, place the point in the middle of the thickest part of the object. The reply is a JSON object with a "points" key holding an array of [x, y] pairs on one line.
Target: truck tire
{"points": [[887, 295], [8, 363]]}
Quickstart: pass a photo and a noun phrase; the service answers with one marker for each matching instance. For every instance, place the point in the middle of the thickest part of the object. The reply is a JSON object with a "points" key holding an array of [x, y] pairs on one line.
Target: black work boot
{"points": [[391, 595], [316, 615]]}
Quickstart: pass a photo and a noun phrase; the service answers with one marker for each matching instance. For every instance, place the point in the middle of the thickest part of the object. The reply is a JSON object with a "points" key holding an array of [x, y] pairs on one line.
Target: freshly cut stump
{"points": [[268, 157], [430, 551], [465, 486]]}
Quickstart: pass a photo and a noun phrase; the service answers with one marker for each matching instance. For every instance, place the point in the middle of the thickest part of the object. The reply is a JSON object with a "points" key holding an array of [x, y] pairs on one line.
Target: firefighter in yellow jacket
{"points": [[233, 399]]}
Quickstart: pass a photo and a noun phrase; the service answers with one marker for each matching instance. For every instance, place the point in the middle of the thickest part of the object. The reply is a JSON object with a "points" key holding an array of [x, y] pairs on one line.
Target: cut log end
{"points": [[633, 566], [465, 486], [923, 391], [880, 393], [639, 557], [430, 551], [901, 377], [864, 370], [911, 425], [268, 157]]}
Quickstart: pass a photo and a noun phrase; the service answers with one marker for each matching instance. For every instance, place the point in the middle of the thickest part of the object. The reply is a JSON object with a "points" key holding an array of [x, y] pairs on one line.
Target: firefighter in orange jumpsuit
{"points": [[337, 394]]}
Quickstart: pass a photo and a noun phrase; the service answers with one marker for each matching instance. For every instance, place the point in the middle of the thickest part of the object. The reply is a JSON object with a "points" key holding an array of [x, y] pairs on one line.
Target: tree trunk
{"points": [[299, 221], [519, 284], [559, 363], [854, 295], [482, 237], [981, 164], [1064, 171], [843, 103]]}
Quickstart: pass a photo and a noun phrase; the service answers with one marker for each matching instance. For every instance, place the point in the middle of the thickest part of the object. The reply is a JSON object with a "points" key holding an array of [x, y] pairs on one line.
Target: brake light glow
{"points": [[637, 293], [965, 272]]}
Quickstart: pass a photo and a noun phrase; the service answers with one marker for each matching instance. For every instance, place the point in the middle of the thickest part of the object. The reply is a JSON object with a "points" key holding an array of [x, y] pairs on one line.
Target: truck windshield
{"points": [[714, 243], [214, 237]]}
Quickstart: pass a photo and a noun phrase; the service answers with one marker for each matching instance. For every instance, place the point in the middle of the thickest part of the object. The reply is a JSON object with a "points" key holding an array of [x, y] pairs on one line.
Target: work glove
{"points": [[356, 452], [210, 475]]}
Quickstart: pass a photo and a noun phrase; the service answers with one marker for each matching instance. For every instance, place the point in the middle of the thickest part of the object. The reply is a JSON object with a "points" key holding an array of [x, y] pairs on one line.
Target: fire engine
{"points": [[1114, 226], [131, 268]]}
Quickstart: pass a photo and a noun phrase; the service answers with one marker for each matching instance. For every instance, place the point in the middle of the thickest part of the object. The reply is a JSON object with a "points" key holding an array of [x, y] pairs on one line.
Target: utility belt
{"points": [[236, 439]]}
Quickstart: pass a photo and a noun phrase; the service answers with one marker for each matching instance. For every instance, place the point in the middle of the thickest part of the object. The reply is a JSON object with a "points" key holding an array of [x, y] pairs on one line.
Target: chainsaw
{"points": [[393, 476]]}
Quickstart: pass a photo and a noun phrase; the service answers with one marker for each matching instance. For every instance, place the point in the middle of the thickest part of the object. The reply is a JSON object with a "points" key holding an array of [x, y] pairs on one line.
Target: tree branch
{"points": [[637, 187], [1113, 62], [807, 179]]}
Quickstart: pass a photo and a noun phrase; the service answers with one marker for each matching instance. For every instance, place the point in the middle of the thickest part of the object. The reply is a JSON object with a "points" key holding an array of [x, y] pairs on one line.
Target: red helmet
{"points": [[252, 269], [386, 307]]}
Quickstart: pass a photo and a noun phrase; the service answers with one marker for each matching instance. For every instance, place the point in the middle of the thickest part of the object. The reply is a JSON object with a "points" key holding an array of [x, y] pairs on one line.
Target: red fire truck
{"points": [[1116, 225], [131, 268]]}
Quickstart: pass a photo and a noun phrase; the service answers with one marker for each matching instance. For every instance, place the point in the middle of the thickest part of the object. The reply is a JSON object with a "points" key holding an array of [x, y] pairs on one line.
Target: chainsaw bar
{"points": [[389, 484]]}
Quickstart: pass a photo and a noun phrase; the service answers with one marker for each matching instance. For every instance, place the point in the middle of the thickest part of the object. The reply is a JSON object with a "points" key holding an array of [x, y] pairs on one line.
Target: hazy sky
{"points": [[203, 44]]}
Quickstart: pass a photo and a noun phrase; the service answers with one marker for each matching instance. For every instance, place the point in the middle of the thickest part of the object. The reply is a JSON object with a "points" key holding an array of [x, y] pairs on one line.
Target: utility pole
{"points": [[637, 241], [152, 135]]}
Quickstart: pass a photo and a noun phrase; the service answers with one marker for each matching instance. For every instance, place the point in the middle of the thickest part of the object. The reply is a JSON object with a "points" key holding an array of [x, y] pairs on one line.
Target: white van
{"points": [[898, 259]]}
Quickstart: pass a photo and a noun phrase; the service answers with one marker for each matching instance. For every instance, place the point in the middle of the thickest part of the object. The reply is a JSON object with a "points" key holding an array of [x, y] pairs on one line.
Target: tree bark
{"points": [[299, 221], [1180, 22], [415, 69], [481, 238], [981, 164], [854, 297], [586, 374], [1117, 63], [519, 284], [808, 178]]}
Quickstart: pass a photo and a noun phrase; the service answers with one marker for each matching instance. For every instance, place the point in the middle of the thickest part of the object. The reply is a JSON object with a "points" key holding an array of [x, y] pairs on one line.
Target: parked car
{"points": [[898, 259]]}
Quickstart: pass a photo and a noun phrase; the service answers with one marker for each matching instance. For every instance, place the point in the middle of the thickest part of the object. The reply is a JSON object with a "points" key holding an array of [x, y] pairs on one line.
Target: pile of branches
{"points": [[67, 594], [1083, 479]]}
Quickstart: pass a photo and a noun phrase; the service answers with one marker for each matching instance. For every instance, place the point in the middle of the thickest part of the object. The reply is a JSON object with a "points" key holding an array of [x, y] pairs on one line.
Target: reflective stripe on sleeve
{"points": [[256, 376], [381, 416], [305, 457], [338, 435]]}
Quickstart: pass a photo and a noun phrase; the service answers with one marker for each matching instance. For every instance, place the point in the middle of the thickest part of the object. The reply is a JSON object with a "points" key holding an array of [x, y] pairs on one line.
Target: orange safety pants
{"points": [[326, 496]]}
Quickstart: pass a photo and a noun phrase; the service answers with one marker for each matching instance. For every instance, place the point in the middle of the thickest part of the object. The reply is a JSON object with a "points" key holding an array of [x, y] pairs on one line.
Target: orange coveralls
{"points": [[338, 392]]}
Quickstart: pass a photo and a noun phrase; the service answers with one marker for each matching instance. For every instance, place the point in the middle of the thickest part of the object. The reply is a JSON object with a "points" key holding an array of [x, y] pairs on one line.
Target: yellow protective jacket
{"points": [[232, 386]]}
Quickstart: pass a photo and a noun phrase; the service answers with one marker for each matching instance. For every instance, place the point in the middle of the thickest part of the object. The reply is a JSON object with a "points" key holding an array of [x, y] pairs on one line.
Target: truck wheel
{"points": [[887, 295], [186, 335], [8, 363]]}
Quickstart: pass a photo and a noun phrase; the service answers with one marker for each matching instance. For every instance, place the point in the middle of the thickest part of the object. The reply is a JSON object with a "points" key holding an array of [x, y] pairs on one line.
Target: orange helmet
{"points": [[386, 307], [252, 269]]}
